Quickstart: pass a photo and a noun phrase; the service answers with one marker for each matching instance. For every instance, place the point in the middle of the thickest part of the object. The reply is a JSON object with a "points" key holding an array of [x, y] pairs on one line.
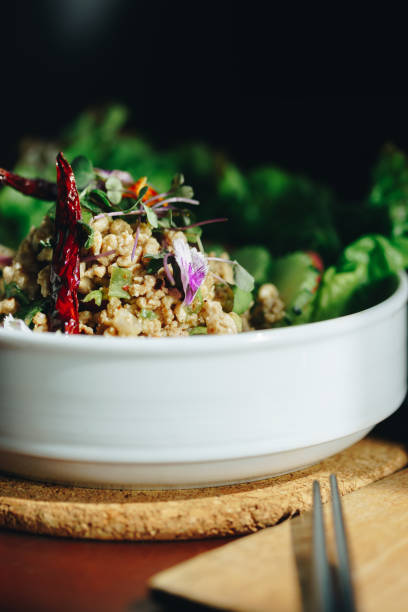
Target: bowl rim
{"points": [[296, 334]]}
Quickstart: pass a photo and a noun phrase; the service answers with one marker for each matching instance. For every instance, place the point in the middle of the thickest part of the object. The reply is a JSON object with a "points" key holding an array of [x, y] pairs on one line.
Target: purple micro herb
{"points": [[193, 268], [228, 261], [92, 257], [123, 176], [222, 280], [5, 260], [135, 243], [167, 269], [157, 197], [123, 213], [219, 220], [177, 199]]}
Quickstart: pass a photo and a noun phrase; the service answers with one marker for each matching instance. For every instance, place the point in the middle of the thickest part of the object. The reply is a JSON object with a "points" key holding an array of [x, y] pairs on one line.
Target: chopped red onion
{"points": [[228, 261], [157, 197], [105, 254], [177, 199], [5, 260], [123, 213], [135, 243], [167, 269], [222, 280], [219, 220], [122, 175]]}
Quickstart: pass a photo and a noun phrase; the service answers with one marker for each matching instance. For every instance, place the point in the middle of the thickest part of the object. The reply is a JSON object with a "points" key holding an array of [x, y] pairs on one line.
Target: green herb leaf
{"points": [[167, 221], [148, 314], [96, 296], [87, 203], [243, 279], [185, 191], [198, 331], [257, 261], [114, 189], [11, 290], [135, 203], [83, 171], [193, 234], [143, 191], [155, 263], [179, 189], [177, 181], [52, 212], [197, 303], [28, 311], [151, 216], [86, 234], [47, 244], [243, 300], [98, 198], [120, 277], [86, 215]]}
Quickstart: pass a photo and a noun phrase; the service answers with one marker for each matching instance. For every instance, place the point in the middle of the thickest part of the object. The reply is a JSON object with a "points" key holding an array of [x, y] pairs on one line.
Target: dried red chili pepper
{"points": [[37, 188], [65, 261]]}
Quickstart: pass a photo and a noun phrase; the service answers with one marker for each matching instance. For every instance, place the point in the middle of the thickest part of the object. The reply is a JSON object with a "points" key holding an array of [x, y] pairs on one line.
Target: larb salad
{"points": [[112, 252]]}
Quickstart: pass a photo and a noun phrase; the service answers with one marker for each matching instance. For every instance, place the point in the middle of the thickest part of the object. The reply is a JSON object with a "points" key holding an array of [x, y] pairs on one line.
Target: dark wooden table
{"points": [[40, 573]]}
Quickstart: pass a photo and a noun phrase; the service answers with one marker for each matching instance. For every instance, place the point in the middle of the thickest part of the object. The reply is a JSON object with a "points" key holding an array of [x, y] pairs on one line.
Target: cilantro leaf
{"points": [[87, 203], [86, 234], [47, 244], [83, 171], [28, 311], [97, 197], [167, 221], [114, 189], [155, 263], [135, 203], [12, 290], [179, 189], [193, 234], [151, 216]]}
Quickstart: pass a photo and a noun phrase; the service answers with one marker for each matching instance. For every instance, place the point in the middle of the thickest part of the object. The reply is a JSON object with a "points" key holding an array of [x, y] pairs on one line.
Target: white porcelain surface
{"points": [[196, 411]]}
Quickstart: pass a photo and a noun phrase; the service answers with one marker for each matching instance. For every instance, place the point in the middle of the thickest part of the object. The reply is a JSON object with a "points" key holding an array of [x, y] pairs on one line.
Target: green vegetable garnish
{"points": [[11, 290], [96, 296], [83, 170], [148, 314], [120, 278], [243, 300], [198, 331], [151, 216], [114, 189]]}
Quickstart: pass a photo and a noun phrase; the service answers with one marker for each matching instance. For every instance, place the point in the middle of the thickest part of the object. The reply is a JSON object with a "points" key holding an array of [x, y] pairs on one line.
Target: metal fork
{"points": [[333, 589]]}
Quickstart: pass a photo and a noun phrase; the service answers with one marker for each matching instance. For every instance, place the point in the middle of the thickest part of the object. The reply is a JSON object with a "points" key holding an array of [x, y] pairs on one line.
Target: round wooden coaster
{"points": [[188, 514]]}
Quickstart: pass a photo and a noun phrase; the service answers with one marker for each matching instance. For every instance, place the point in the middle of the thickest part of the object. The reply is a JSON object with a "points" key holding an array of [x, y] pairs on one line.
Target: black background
{"points": [[180, 69]]}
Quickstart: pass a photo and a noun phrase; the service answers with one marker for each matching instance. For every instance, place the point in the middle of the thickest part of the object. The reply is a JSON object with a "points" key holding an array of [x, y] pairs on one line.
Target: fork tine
{"points": [[344, 574], [322, 576]]}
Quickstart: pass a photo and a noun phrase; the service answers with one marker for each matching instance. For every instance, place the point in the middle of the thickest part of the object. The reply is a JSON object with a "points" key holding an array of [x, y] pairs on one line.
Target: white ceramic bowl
{"points": [[185, 412]]}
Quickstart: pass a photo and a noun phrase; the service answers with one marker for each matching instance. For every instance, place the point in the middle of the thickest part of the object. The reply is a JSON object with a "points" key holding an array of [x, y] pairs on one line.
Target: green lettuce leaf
{"points": [[365, 272]]}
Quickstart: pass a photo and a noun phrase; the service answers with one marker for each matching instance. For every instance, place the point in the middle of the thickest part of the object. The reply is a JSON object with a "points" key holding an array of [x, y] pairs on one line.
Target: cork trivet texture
{"points": [[188, 514]]}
